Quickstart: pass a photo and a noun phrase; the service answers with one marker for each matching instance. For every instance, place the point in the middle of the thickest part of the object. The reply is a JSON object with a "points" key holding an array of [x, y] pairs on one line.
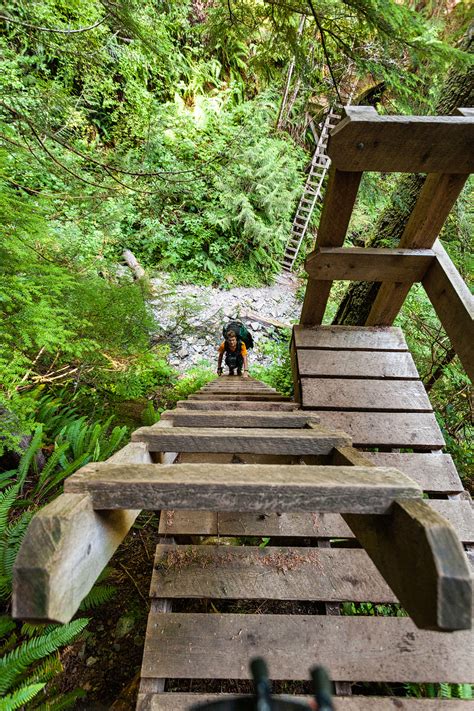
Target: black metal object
{"points": [[262, 699]]}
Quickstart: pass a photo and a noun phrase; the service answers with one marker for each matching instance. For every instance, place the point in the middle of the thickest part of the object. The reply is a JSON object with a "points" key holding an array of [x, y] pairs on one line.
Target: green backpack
{"points": [[243, 334]]}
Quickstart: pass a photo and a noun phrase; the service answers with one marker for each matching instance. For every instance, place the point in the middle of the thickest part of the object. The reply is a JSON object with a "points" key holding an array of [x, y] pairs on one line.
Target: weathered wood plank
{"points": [[243, 418], [65, 549], [436, 199], [368, 264], [218, 646], [402, 144], [354, 394], [182, 702], [251, 487], [257, 441], [230, 397], [252, 573], [305, 525], [356, 364], [353, 338], [416, 539], [454, 305], [435, 473], [235, 405], [387, 429], [341, 193]]}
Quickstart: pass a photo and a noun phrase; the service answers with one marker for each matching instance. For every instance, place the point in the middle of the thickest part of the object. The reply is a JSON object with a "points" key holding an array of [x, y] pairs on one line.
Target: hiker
{"points": [[235, 355]]}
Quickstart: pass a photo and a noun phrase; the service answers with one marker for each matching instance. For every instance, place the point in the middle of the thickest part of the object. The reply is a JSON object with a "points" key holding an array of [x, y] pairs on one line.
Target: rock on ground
{"points": [[190, 318]]}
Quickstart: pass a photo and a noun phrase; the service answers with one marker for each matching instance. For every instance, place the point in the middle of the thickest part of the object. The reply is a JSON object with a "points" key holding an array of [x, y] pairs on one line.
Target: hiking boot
{"points": [[231, 371]]}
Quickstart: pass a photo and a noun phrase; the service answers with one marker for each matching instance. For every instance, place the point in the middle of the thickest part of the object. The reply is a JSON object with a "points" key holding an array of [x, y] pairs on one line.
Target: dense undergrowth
{"points": [[118, 131]]}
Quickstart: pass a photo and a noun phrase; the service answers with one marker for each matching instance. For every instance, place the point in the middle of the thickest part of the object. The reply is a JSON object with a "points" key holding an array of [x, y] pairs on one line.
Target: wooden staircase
{"points": [[346, 486], [312, 192]]}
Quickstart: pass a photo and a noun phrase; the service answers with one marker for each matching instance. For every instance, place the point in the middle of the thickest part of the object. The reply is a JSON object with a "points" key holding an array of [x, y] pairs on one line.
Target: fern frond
{"points": [[49, 668], [445, 691], [99, 595], [6, 626], [34, 447], [65, 701], [20, 697], [7, 499], [12, 665], [52, 463]]}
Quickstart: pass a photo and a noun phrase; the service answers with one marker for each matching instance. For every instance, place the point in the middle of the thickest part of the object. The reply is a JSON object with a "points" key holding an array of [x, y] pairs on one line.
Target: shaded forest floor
{"points": [[106, 661]]}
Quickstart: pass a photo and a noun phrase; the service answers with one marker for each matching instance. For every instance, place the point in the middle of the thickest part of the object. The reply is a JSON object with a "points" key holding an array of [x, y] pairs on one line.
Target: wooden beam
{"points": [[369, 649], [247, 487], [436, 199], [224, 405], [454, 305], [367, 264], [341, 193], [242, 418], [359, 394], [314, 440], [402, 144], [352, 338], [65, 549], [419, 555], [365, 365]]}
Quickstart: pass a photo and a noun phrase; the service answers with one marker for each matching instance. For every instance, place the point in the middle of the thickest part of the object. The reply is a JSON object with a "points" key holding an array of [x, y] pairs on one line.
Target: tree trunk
{"points": [[457, 91]]}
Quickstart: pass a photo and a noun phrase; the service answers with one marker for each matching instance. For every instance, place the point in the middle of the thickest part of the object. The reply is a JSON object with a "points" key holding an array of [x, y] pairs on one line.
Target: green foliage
{"points": [[278, 374]]}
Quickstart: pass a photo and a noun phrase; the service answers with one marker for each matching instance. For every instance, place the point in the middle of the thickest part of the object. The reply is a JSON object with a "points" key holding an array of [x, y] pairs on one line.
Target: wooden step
{"points": [[350, 338], [396, 430], [251, 487], [363, 649], [271, 573], [314, 440], [270, 397], [356, 394], [356, 364], [211, 404], [299, 525], [243, 418], [180, 701]]}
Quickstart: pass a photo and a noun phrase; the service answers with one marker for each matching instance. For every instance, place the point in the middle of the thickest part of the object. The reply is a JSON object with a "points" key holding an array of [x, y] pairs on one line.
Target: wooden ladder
{"points": [[312, 192]]}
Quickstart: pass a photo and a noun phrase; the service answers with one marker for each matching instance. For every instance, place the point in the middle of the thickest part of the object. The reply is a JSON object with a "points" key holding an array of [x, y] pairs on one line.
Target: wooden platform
{"points": [[208, 561]]}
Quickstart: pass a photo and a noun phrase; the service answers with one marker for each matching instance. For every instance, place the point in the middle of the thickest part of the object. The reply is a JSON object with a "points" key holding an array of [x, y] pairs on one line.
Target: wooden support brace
{"points": [[340, 197], [402, 144], [366, 264], [419, 555], [65, 549], [454, 305], [437, 197]]}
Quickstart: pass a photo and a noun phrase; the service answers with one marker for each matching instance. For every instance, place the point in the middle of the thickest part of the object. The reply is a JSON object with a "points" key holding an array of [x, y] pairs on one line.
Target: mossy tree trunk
{"points": [[458, 91]]}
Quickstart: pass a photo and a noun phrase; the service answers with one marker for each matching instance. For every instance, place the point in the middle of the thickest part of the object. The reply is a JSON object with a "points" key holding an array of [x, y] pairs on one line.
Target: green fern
{"points": [[99, 595], [27, 458], [20, 697], [16, 662], [64, 701], [6, 626]]}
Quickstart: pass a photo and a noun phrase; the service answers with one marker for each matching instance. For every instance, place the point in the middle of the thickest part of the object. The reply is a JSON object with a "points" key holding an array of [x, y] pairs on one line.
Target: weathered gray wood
{"points": [[230, 397], [402, 144], [354, 394], [232, 406], [368, 264], [387, 429], [305, 525], [356, 648], [433, 472], [353, 338], [182, 702], [436, 199], [341, 193], [454, 305], [252, 573], [314, 440], [243, 418], [251, 487], [65, 549], [419, 555], [356, 364]]}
